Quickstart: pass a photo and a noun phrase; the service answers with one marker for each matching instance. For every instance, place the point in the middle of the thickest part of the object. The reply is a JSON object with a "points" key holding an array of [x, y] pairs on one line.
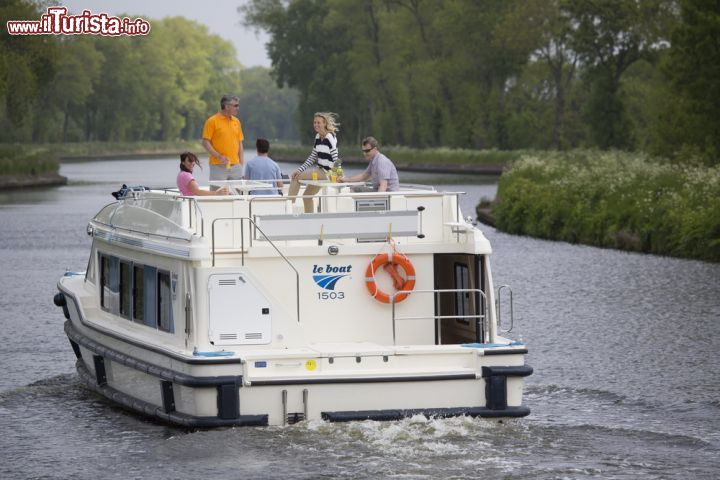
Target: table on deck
{"points": [[329, 188], [242, 187]]}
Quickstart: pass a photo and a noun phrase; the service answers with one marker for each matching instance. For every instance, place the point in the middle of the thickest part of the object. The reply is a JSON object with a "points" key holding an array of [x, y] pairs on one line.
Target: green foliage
{"points": [[158, 87], [26, 160], [692, 118], [27, 63], [415, 73], [268, 112], [490, 75], [495, 74], [450, 156], [613, 199], [610, 36]]}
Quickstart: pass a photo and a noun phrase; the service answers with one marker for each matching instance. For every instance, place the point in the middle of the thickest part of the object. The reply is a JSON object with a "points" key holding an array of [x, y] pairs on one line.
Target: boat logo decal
{"points": [[327, 276]]}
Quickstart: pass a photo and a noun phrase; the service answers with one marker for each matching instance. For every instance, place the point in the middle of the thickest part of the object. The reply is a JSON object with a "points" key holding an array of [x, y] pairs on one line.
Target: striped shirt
{"points": [[324, 153]]}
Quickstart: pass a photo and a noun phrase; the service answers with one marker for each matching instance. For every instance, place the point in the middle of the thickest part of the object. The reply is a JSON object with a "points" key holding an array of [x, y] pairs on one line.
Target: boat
{"points": [[243, 310]]}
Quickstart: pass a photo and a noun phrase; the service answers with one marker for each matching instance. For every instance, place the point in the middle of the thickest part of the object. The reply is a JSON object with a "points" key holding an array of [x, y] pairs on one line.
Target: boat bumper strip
{"points": [[171, 416], [483, 412]]}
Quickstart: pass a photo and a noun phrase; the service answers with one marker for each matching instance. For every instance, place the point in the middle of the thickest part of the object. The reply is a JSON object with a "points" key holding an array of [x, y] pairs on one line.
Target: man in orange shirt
{"points": [[222, 138]]}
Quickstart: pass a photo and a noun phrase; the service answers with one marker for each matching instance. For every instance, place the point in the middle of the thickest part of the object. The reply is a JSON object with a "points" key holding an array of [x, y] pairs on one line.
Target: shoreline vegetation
{"points": [[29, 167], [441, 160], [621, 200], [23, 165]]}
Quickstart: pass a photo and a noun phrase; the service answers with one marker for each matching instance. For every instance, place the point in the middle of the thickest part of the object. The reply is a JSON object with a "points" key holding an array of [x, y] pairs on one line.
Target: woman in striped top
{"points": [[321, 159]]}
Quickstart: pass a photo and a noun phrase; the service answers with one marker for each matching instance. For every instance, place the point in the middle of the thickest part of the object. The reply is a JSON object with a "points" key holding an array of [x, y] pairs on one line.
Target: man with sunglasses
{"points": [[222, 138], [381, 171]]}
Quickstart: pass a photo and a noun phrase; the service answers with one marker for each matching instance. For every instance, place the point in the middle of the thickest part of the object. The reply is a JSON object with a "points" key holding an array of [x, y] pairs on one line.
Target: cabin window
{"points": [[150, 294], [164, 301], [109, 283], [125, 289], [462, 299], [138, 292]]}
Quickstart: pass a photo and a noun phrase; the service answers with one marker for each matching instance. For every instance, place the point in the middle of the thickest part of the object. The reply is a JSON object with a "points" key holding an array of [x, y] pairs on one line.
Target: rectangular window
{"points": [[138, 293], [125, 289], [150, 307], [109, 284], [462, 299], [164, 296]]}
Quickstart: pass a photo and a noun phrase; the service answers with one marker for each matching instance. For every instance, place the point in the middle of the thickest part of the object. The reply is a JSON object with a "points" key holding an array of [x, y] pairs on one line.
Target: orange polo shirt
{"points": [[225, 135]]}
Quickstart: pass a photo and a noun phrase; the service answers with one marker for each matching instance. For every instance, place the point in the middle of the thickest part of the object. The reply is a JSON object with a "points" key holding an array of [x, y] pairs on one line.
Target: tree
{"points": [[163, 86], [542, 29], [267, 111], [694, 69], [610, 36], [27, 62], [307, 54], [78, 72]]}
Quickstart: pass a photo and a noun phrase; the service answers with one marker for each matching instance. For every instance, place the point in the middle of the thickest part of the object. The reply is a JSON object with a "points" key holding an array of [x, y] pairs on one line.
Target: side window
{"points": [[138, 293], [150, 307], [165, 321], [109, 284], [125, 288], [462, 299]]}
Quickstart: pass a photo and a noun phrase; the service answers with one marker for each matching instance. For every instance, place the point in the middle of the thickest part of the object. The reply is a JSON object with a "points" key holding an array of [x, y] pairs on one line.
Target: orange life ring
{"points": [[390, 263]]}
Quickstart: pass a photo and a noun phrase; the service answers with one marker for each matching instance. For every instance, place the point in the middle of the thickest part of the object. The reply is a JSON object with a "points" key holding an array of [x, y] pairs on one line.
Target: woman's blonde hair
{"points": [[331, 123]]}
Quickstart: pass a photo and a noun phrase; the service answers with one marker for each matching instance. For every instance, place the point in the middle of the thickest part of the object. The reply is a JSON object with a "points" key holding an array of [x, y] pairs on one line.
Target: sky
{"points": [[220, 16]]}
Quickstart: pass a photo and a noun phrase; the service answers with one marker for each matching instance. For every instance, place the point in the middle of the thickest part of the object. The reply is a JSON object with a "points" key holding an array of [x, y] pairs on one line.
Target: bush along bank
{"points": [[28, 168], [612, 199]]}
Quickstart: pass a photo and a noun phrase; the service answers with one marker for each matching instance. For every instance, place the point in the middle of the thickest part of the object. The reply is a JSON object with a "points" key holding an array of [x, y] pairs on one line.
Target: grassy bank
{"points": [[283, 151], [18, 161], [438, 157], [108, 149], [618, 200]]}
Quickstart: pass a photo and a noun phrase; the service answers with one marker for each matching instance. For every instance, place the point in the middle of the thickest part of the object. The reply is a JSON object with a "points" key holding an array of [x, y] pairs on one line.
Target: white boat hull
{"points": [[194, 392]]}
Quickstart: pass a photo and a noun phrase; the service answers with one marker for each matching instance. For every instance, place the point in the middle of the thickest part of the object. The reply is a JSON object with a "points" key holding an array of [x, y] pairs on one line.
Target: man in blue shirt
{"points": [[264, 168], [381, 171]]}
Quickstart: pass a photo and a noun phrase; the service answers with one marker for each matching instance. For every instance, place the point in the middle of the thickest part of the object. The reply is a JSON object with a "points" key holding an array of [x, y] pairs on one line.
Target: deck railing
{"points": [[481, 321]]}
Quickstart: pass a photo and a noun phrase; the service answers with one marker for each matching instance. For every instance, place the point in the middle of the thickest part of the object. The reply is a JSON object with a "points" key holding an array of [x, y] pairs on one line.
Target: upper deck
{"points": [[213, 228]]}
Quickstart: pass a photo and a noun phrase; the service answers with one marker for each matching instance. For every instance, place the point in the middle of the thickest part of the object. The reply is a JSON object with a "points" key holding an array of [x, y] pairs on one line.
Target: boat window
{"points": [[165, 322], [125, 288], [138, 292], [109, 283], [135, 291], [462, 299], [150, 296]]}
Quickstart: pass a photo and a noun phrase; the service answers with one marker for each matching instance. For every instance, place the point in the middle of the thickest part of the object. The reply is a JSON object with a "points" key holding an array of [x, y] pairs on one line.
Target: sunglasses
{"points": [[366, 150]]}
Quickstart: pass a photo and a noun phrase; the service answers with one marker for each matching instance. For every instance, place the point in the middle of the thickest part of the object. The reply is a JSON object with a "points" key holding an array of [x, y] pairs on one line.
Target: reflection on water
{"points": [[624, 347]]}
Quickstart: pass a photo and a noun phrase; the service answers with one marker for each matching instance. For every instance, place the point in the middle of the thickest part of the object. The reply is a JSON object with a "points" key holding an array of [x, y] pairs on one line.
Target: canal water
{"points": [[625, 347]]}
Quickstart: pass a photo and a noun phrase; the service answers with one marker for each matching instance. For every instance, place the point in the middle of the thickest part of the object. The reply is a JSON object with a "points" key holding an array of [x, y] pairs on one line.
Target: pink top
{"points": [[183, 183]]}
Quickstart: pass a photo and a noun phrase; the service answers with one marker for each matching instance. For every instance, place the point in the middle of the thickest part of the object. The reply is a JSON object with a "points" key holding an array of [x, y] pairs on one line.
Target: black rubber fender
{"points": [[60, 301]]}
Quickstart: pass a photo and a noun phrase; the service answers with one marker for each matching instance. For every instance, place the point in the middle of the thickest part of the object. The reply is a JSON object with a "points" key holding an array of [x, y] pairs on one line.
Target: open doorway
{"points": [[464, 272]]}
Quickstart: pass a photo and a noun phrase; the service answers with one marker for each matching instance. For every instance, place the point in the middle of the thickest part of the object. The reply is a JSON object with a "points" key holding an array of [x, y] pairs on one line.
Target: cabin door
{"points": [[453, 272]]}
